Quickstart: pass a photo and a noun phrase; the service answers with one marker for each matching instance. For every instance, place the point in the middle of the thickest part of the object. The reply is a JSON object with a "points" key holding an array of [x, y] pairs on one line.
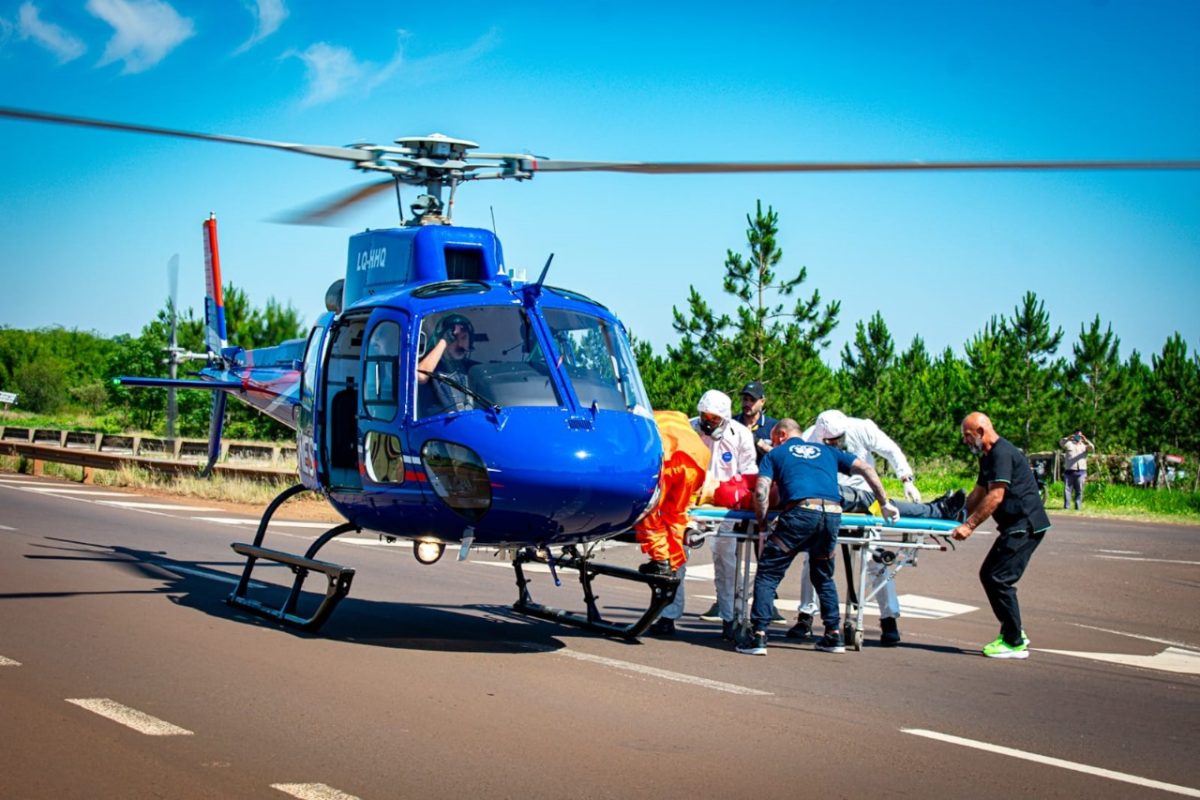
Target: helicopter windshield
{"points": [[597, 358], [480, 356]]}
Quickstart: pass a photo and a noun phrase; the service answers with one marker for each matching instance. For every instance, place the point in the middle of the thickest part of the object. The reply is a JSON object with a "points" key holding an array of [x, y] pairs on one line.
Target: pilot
{"points": [[449, 357], [661, 532]]}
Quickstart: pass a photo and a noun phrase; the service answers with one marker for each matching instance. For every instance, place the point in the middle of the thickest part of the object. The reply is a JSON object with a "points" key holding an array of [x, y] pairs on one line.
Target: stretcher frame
{"points": [[896, 545]]}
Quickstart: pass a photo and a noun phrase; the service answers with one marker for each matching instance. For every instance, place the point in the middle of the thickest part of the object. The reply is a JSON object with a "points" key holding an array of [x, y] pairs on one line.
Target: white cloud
{"points": [[333, 71], [269, 15], [63, 45], [144, 31]]}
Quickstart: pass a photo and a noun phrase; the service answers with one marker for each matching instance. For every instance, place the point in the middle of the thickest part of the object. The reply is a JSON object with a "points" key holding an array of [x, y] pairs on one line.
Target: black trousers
{"points": [[1001, 569]]}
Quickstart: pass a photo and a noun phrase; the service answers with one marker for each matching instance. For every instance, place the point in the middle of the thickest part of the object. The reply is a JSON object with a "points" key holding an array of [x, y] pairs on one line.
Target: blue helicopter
{"points": [[441, 400]]}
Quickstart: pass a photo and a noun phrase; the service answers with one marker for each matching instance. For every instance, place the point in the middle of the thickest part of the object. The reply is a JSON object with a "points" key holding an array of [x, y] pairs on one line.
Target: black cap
{"points": [[754, 389]]}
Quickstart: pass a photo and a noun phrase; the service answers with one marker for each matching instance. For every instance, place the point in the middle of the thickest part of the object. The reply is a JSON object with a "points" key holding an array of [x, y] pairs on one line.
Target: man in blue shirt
{"points": [[1007, 492], [809, 518]]}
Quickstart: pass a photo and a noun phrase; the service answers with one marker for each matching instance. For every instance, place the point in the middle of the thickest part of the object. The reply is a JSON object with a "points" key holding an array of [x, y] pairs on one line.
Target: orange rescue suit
{"points": [[685, 465]]}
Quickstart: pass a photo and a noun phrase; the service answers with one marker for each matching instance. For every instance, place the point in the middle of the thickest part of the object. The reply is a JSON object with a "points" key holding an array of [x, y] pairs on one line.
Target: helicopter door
{"points": [[340, 439], [307, 425], [384, 361]]}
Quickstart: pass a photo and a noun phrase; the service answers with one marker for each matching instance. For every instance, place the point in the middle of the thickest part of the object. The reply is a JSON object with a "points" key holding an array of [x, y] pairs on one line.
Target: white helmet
{"points": [[715, 402], [830, 424]]}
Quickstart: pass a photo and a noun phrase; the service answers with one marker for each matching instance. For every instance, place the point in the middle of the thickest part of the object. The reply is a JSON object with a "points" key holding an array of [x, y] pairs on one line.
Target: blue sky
{"points": [[89, 219]]}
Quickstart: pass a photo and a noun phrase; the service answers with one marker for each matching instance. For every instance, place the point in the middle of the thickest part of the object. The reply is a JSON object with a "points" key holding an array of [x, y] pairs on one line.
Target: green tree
{"points": [[1101, 403], [767, 341], [1174, 398], [41, 384], [1031, 372], [866, 376], [987, 362]]}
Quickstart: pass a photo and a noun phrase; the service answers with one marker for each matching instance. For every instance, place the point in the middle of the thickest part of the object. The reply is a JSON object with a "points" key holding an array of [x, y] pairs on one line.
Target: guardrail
{"points": [[141, 445], [112, 451]]}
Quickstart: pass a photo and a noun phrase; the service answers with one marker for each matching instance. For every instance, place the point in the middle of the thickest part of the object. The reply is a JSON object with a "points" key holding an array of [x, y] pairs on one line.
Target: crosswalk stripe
{"points": [[129, 717]]}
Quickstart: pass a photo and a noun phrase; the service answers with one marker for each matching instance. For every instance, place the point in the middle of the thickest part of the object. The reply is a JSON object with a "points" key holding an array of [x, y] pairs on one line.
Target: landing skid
{"points": [[662, 592], [339, 577]]}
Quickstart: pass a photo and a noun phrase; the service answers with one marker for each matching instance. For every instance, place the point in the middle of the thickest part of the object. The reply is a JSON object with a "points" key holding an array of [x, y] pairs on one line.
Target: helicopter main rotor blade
{"points": [[341, 153], [322, 211], [685, 168]]}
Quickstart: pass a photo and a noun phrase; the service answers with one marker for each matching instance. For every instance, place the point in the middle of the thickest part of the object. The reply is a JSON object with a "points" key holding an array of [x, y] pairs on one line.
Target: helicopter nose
{"points": [[540, 481]]}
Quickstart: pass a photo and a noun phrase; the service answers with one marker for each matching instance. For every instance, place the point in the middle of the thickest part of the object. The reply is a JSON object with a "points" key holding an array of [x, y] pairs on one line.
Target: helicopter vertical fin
{"points": [[214, 298]]}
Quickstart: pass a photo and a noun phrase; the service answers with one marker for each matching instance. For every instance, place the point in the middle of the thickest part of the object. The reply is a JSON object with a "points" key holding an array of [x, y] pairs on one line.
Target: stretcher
{"points": [[864, 538]]}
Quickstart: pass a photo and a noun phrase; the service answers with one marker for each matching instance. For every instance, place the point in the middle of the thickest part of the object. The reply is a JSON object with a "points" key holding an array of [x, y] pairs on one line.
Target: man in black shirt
{"points": [[1007, 492]]}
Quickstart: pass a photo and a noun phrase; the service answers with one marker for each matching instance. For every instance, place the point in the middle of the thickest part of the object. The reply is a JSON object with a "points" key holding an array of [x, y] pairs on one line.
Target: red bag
{"points": [[736, 493]]}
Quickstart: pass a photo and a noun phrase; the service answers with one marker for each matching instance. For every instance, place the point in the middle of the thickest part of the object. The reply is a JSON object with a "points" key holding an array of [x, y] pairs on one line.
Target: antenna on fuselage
{"points": [[542, 278]]}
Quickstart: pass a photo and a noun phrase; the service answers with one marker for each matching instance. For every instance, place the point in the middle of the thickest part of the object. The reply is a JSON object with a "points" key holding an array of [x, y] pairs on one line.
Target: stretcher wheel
{"points": [[853, 636]]}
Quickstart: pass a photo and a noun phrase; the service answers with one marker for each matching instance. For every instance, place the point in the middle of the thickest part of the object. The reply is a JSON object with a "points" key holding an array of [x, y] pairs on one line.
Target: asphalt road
{"points": [[425, 684]]}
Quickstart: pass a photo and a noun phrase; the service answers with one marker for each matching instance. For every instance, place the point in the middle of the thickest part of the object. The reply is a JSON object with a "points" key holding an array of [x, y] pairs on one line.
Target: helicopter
{"points": [[441, 399]]}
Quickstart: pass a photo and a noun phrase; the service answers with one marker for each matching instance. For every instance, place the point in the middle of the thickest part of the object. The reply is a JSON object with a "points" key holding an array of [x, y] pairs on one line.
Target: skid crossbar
{"points": [[338, 577], [662, 593]]}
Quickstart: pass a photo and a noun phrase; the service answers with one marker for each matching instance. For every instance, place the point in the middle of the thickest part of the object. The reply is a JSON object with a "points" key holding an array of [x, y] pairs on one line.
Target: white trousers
{"points": [[889, 603], [724, 556]]}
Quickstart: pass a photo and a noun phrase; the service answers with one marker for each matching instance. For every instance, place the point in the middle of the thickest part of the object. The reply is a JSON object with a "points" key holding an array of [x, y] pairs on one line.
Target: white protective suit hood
{"points": [[830, 424], [715, 402]]}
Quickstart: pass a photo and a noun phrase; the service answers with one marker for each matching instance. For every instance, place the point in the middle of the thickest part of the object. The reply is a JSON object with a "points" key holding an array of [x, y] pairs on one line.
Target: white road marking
{"points": [[8, 662], [129, 717], [212, 576], [918, 607], [655, 672], [1170, 642], [913, 606], [312, 791], [1154, 560], [1075, 766], [245, 521], [1173, 659], [153, 506], [6, 528], [1122, 552], [75, 492]]}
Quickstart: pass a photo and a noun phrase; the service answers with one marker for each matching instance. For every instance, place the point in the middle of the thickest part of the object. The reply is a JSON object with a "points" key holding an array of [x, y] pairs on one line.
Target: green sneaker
{"points": [[1002, 649]]}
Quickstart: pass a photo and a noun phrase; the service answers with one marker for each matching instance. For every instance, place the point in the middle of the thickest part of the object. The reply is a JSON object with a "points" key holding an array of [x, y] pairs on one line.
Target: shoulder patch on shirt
{"points": [[805, 451]]}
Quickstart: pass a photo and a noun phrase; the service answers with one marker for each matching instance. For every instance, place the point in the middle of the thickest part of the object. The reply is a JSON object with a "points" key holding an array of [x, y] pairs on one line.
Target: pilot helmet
{"points": [[448, 323]]}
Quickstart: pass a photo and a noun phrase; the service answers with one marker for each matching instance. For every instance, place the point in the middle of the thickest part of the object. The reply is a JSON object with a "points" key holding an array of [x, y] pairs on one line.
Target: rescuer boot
{"points": [[831, 642], [713, 614], [890, 636], [727, 630], [802, 629], [656, 568], [662, 627], [756, 645]]}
